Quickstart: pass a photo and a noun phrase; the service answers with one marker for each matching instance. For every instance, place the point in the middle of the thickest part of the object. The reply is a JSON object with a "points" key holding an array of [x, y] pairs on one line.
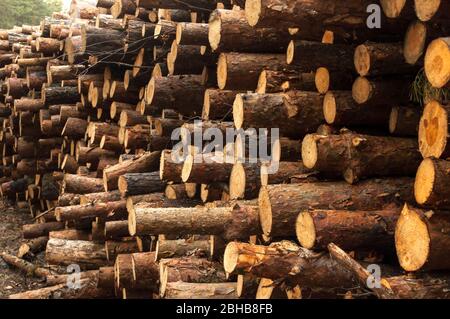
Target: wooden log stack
{"points": [[94, 109]]}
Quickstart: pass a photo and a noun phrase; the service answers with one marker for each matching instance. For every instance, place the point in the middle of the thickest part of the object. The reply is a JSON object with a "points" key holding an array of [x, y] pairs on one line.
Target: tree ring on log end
{"points": [[265, 211], [322, 80], [187, 167], [131, 219], [305, 230], [252, 11], [412, 240], [423, 185]]}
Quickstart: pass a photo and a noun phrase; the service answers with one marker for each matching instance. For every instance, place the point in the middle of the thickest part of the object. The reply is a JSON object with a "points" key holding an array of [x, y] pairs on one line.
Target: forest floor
{"points": [[11, 280]]}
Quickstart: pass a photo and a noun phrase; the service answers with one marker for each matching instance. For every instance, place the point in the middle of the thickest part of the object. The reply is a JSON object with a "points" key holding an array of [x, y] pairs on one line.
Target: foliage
{"points": [[422, 90], [18, 12]]}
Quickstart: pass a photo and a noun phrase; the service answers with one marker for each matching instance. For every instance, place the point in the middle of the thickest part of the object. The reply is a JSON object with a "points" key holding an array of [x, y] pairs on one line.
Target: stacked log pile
{"points": [[94, 109]]}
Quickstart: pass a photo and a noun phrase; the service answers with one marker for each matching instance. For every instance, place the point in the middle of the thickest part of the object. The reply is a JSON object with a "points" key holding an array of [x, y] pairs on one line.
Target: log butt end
{"points": [[131, 220], [214, 30], [437, 63], [222, 71], [361, 90], [329, 107], [309, 151], [237, 181], [392, 8], [433, 130], [423, 185], [238, 111], [426, 9], [414, 42], [412, 240], [265, 211], [322, 80], [305, 230], [361, 60], [252, 11], [230, 257]]}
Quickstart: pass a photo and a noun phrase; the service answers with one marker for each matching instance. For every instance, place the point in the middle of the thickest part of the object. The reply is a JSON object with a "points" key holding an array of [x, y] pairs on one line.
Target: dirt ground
{"points": [[11, 280]]}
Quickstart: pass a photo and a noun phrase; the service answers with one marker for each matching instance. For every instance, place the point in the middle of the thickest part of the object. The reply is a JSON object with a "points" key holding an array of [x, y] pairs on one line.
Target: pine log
{"points": [[42, 229], [377, 59], [140, 183], [70, 234], [32, 247], [217, 104], [26, 267], [183, 247], [295, 113], [279, 205], [59, 95], [431, 10], [147, 162], [356, 156], [105, 277], [229, 222], [280, 81], [404, 120], [184, 290], [377, 91], [81, 184], [240, 71], [102, 210], [84, 253], [145, 269], [350, 230], [437, 65], [101, 197], [170, 170], [430, 187], [434, 130], [192, 33], [74, 128], [115, 248], [116, 229]]}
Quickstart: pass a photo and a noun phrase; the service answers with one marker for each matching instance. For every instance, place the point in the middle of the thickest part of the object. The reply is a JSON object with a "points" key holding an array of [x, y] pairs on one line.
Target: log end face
{"points": [[265, 211], [265, 289], [322, 80], [290, 52], [414, 42], [262, 83], [361, 60], [393, 118], [150, 90], [425, 177], [252, 11], [426, 9], [305, 230], [329, 107], [187, 168], [238, 111], [433, 130], [222, 71], [412, 240], [214, 31], [392, 8], [361, 90], [237, 181], [437, 63], [309, 151], [231, 257]]}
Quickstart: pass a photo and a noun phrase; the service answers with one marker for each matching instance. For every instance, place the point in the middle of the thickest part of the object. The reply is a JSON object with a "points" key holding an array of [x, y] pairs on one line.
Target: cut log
{"points": [[240, 71], [279, 205], [430, 187], [377, 59], [78, 184], [116, 248], [205, 168], [350, 230], [433, 9], [26, 267], [145, 269], [434, 130], [184, 290], [84, 253], [91, 210], [192, 33], [147, 162], [229, 222], [229, 31], [116, 229], [340, 109], [404, 120], [32, 247], [105, 277], [170, 169], [280, 81], [437, 65], [356, 156], [102, 197], [378, 91], [42, 229], [183, 247], [295, 113], [70, 234], [140, 183]]}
